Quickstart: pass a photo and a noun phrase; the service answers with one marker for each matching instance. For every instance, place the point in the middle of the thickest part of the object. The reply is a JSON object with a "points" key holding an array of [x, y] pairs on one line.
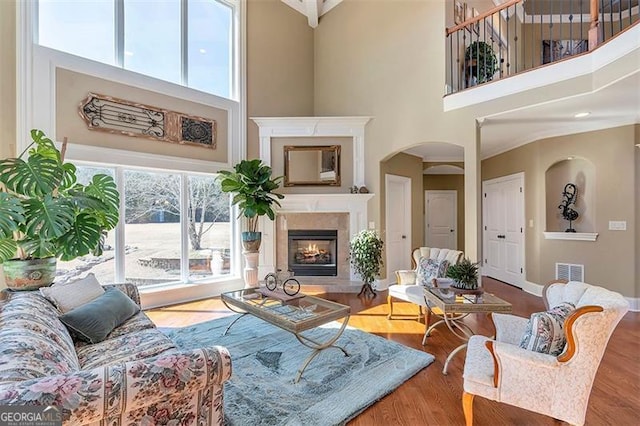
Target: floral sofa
{"points": [[136, 376]]}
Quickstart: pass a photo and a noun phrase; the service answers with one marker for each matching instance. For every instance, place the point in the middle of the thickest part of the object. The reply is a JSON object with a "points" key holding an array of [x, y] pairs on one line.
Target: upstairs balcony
{"points": [[530, 69], [521, 35]]}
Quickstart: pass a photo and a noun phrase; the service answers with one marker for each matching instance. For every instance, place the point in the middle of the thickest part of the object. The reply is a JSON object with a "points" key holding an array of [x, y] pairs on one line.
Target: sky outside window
{"points": [[152, 38], [83, 28], [210, 46]]}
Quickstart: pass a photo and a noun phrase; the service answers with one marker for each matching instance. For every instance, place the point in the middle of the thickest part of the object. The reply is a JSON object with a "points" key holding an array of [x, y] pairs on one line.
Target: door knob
{"points": [[451, 230], [404, 237]]}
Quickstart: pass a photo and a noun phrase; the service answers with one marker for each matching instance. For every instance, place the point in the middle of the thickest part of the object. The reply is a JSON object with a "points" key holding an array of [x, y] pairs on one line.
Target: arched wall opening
{"points": [[430, 166]]}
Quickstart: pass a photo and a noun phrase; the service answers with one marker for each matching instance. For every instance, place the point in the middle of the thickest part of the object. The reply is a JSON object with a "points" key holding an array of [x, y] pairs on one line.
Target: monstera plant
{"points": [[46, 214]]}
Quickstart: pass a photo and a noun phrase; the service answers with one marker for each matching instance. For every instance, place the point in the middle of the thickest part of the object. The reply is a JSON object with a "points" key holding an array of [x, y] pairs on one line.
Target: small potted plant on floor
{"points": [[464, 275], [45, 213], [365, 254]]}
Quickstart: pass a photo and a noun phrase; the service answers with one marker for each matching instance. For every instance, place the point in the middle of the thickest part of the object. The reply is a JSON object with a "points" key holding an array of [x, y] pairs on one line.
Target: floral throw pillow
{"points": [[429, 269], [545, 330]]}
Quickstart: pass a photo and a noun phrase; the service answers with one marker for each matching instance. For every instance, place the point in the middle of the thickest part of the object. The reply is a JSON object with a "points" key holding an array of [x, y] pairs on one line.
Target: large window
{"points": [[176, 229], [189, 42]]}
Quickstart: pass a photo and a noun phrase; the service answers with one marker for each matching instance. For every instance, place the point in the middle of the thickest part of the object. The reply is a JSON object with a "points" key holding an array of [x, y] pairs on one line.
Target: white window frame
{"points": [[120, 258], [119, 40], [36, 108]]}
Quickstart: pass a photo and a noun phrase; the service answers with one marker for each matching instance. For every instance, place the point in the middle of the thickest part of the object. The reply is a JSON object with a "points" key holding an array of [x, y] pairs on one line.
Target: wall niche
{"points": [[580, 172]]}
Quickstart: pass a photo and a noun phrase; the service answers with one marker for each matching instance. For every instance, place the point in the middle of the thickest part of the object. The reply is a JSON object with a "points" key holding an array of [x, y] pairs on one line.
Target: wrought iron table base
{"points": [[457, 327]]}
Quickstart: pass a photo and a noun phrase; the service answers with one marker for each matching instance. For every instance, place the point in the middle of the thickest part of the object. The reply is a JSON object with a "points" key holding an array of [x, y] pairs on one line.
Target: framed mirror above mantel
{"points": [[347, 132], [316, 165]]}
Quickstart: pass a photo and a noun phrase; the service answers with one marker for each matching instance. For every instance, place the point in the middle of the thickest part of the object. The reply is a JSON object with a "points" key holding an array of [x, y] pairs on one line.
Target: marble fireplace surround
{"points": [[345, 212]]}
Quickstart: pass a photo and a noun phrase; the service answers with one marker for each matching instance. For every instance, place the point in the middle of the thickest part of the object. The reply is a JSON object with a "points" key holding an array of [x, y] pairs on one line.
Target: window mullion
{"points": [[184, 42], [120, 229], [119, 32], [184, 227]]}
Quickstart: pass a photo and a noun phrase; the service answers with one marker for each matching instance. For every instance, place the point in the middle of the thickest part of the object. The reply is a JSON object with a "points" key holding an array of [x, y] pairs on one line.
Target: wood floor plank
{"points": [[431, 398]]}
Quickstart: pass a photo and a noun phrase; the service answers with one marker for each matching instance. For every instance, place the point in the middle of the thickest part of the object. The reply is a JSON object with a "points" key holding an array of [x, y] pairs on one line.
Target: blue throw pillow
{"points": [[93, 321]]}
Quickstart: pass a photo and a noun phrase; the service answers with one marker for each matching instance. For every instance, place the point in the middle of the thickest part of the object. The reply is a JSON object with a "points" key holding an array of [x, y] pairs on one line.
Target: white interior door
{"points": [[398, 224], [441, 218], [503, 229]]}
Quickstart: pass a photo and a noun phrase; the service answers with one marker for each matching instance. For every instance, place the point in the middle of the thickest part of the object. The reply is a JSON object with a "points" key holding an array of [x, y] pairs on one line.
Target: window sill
{"points": [[571, 236]]}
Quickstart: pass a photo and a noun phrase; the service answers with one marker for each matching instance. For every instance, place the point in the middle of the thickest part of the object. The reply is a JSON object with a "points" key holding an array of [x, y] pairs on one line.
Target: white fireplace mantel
{"points": [[354, 204], [274, 127]]}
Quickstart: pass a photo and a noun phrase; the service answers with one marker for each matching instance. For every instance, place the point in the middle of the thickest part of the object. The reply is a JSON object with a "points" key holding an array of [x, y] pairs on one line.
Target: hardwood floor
{"points": [[435, 399]]}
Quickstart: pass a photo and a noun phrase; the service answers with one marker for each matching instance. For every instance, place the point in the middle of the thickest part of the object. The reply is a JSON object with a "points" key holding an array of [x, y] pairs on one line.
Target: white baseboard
{"points": [[532, 288], [634, 303]]}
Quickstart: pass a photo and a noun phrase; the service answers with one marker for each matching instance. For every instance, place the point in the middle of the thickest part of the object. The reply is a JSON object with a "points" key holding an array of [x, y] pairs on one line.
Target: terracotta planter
{"points": [[29, 274]]}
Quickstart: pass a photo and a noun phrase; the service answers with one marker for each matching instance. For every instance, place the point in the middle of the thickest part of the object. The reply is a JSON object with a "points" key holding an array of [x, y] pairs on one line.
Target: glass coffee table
{"points": [[294, 314], [454, 306]]}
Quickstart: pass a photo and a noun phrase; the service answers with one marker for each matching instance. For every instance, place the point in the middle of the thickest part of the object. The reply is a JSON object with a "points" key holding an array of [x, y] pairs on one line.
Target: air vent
{"points": [[570, 272]]}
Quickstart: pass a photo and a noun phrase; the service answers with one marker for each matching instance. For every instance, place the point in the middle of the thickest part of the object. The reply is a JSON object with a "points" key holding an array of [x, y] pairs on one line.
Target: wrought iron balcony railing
{"points": [[520, 35]]}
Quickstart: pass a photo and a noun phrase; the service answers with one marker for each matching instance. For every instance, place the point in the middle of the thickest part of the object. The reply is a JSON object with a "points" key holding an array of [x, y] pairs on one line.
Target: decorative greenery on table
{"points": [[465, 274], [253, 187], [45, 212], [481, 59], [365, 254]]}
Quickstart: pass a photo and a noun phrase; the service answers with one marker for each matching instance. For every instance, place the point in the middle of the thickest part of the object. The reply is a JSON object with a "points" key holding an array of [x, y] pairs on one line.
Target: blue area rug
{"points": [[333, 388]]}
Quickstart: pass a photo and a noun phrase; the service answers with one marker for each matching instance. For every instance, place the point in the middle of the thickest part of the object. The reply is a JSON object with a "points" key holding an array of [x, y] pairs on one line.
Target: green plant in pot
{"points": [[365, 254], [464, 274], [252, 186], [46, 214], [481, 61]]}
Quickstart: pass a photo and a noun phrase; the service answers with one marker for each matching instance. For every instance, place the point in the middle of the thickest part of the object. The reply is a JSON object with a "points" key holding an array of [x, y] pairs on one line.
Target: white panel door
{"points": [[503, 229], [493, 219], [441, 219], [398, 224]]}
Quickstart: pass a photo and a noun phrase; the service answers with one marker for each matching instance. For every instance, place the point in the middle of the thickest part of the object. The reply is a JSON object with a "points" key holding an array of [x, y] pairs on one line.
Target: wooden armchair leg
{"points": [[467, 408], [390, 303]]}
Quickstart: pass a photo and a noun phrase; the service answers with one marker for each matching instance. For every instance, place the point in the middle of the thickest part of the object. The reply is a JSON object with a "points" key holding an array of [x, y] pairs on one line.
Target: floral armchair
{"points": [[136, 376], [557, 386]]}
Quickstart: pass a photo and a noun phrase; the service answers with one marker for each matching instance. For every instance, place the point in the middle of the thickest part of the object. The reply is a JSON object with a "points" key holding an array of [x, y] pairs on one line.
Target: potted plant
{"points": [[365, 254], [46, 214], [481, 62], [464, 274], [252, 186]]}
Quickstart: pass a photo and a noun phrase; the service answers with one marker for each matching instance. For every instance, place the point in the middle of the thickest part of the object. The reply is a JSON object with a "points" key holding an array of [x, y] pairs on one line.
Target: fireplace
{"points": [[313, 252]]}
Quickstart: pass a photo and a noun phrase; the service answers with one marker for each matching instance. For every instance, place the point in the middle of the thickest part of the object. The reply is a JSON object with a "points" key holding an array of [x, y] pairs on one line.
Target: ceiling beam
{"points": [[312, 9]]}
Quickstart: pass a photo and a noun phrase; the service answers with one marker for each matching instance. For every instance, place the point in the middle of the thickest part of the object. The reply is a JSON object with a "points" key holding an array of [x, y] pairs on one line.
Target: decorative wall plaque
{"points": [[113, 115]]}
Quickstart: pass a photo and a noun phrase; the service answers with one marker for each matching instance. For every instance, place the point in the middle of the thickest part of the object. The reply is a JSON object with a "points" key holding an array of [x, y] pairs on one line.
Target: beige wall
{"points": [[7, 85], [72, 89], [451, 183], [376, 58], [609, 261], [7, 78], [346, 163], [279, 65], [408, 166]]}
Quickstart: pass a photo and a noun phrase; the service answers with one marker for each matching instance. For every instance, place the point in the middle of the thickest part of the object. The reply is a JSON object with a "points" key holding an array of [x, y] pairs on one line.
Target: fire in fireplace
{"points": [[313, 252]]}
